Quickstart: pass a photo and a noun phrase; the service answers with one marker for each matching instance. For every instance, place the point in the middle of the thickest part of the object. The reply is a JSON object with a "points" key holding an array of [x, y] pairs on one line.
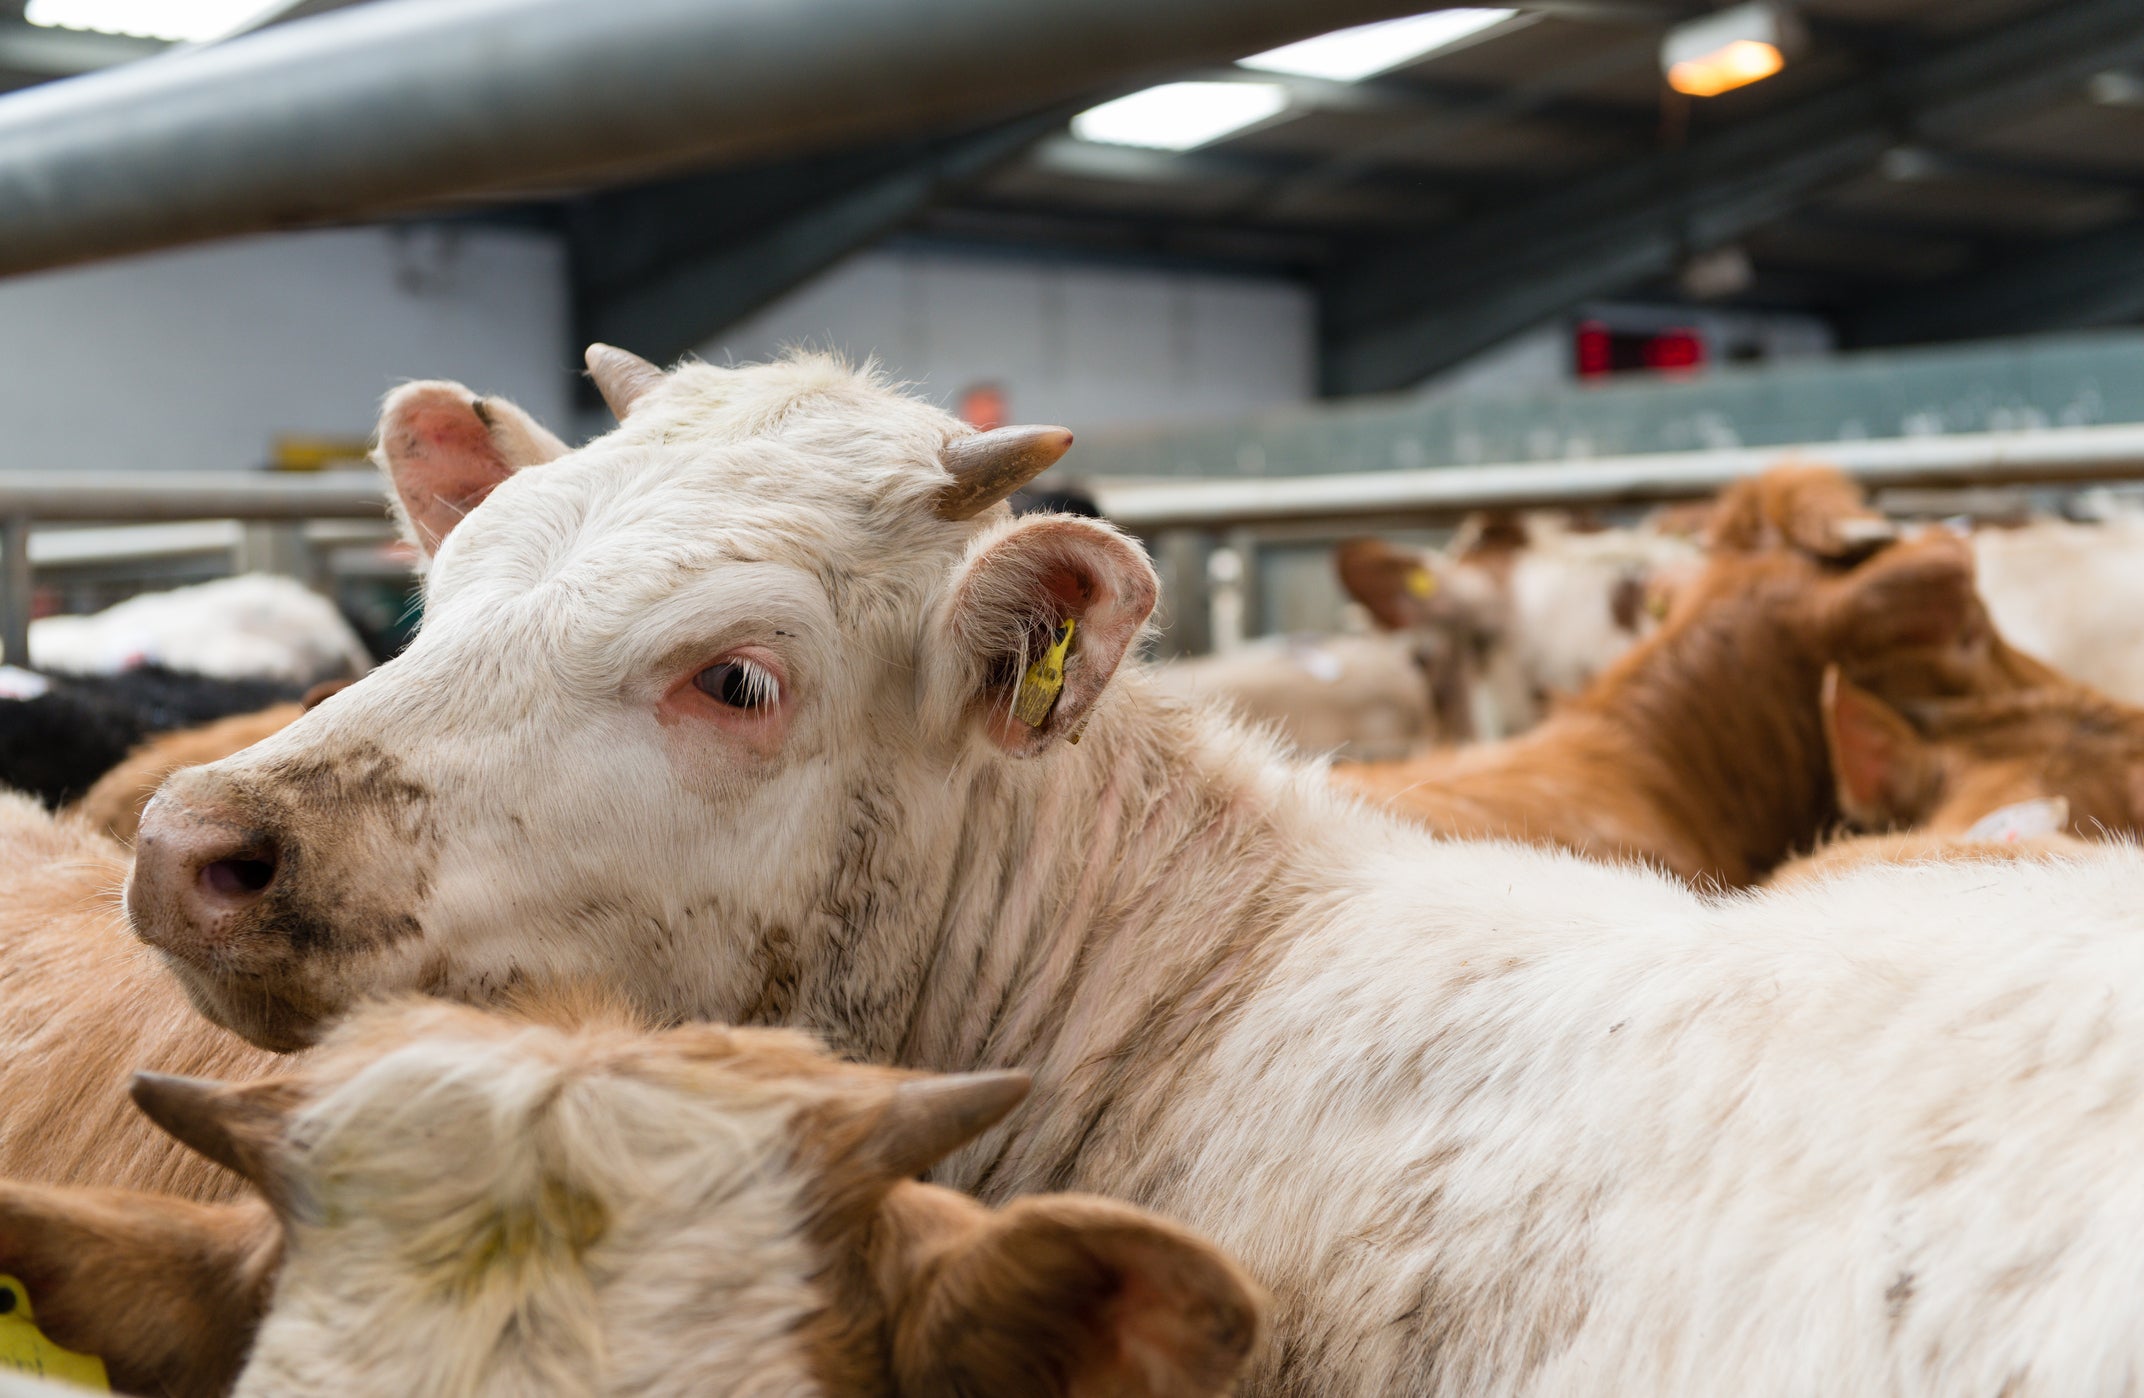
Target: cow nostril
{"points": [[238, 878]]}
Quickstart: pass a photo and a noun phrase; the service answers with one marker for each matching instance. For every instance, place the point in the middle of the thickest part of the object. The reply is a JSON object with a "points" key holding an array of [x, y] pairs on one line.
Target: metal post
{"points": [[17, 585]]}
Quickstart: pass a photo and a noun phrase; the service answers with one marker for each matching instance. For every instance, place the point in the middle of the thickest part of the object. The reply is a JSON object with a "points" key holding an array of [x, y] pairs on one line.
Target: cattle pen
{"points": [[1071, 698]]}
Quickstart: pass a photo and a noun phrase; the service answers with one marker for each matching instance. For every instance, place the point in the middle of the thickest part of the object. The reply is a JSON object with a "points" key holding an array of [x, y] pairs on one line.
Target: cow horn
{"points": [[621, 376], [930, 1118], [991, 465]]}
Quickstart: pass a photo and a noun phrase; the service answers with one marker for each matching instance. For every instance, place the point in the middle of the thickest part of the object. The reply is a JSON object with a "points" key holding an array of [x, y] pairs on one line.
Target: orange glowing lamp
{"points": [[1730, 49]]}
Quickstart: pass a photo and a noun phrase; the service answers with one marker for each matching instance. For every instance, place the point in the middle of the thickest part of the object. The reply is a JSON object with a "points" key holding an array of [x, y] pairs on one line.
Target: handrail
{"points": [[2061, 455]]}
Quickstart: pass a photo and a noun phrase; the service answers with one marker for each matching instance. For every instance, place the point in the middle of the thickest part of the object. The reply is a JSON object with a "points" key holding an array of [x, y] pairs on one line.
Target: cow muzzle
{"points": [[196, 874]]}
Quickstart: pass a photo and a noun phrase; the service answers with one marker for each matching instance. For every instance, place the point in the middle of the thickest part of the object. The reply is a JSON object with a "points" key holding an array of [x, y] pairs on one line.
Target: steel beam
{"points": [[679, 297], [1397, 316], [387, 106]]}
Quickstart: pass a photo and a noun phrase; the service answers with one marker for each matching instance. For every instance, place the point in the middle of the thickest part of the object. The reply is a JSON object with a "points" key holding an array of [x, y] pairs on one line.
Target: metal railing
{"points": [[1183, 519], [105, 497], [2063, 455], [1188, 523]]}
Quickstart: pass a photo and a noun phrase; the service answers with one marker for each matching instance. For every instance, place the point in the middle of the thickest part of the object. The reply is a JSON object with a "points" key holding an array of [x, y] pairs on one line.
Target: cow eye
{"points": [[740, 684]]}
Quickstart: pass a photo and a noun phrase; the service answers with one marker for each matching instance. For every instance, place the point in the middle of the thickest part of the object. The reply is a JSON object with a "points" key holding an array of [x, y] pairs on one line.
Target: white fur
{"points": [[1360, 697], [254, 626], [1487, 1120], [425, 1254], [2071, 594]]}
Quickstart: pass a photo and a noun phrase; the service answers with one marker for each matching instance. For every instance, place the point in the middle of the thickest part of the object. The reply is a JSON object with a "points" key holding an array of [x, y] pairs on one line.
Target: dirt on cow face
{"points": [[355, 846]]}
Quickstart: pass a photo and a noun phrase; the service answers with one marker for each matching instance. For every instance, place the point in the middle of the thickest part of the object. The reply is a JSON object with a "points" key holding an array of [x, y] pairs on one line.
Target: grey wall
{"points": [[1078, 344], [199, 358]]}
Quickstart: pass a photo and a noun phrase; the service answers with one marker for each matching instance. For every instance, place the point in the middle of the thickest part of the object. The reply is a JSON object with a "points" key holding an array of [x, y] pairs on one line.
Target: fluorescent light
{"points": [[1178, 116], [1730, 49], [177, 20], [1350, 55]]}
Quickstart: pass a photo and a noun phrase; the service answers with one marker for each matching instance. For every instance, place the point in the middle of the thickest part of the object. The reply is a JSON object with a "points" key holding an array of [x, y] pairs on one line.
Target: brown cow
{"points": [[1703, 749]]}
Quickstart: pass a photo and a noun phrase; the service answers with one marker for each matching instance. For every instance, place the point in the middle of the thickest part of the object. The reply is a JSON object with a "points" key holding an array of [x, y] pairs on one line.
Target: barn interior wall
{"points": [[1088, 345], [199, 359]]}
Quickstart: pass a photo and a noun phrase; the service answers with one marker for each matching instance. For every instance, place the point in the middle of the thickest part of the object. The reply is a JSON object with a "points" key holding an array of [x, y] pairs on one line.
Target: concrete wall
{"points": [[199, 358], [1079, 344]]}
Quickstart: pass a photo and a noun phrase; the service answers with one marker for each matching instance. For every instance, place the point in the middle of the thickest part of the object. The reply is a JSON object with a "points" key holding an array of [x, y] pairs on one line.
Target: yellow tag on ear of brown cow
{"points": [[25, 1350], [1422, 583], [1044, 680]]}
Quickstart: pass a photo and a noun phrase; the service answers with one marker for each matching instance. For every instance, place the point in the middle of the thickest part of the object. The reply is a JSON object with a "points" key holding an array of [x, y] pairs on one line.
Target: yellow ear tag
{"points": [[25, 1350], [1422, 583], [1044, 680]]}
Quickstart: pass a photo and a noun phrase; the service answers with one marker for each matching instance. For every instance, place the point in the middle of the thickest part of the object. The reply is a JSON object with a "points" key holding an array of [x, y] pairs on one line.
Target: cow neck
{"points": [[1104, 912], [1715, 722]]}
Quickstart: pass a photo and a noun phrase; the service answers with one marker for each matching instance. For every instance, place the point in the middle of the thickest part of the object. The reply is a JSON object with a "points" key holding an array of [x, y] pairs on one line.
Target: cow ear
{"points": [[237, 1125], [165, 1291], [1038, 616], [1067, 1296], [1917, 595], [1396, 586], [444, 449], [1887, 773]]}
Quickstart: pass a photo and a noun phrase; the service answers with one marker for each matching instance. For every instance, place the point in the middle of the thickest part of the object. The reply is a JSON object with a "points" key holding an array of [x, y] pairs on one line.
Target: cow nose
{"points": [[239, 878], [194, 870]]}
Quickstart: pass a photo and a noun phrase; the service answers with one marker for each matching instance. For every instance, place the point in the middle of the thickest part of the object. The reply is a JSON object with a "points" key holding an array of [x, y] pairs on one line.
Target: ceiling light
{"points": [[1731, 49], [176, 20], [1350, 55], [1179, 116]]}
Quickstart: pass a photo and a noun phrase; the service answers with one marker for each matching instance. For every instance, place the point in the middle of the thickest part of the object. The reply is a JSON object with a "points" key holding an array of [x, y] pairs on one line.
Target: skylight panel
{"points": [[1350, 55], [1180, 116], [181, 21]]}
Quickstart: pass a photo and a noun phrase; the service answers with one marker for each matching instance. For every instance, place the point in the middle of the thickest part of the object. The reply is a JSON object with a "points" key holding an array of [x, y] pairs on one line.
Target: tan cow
{"points": [[83, 1005], [466, 1203]]}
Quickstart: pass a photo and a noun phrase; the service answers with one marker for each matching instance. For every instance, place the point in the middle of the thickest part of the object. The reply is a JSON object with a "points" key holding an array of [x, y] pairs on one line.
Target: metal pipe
{"points": [[385, 106], [2053, 456], [160, 495]]}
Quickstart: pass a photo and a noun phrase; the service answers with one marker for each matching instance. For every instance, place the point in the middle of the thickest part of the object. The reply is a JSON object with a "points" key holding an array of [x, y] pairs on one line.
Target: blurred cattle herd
{"points": [[1730, 685]]}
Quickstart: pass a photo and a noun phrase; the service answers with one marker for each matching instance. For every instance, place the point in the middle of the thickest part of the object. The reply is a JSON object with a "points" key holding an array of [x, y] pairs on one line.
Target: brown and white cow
{"points": [[750, 709], [559, 1202]]}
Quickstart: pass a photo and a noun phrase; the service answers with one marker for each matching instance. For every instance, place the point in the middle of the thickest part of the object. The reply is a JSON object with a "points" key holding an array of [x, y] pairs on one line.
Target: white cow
{"points": [[757, 709], [2073, 595], [1368, 698], [254, 626], [1538, 607]]}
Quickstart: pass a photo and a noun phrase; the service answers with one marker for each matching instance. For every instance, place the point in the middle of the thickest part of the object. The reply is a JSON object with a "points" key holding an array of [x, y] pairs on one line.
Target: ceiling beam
{"points": [[2080, 283], [650, 275], [1399, 314]]}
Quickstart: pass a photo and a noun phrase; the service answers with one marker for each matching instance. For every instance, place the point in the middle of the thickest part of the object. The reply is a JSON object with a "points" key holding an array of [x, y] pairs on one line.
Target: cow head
{"points": [[683, 702], [452, 1201], [2034, 761]]}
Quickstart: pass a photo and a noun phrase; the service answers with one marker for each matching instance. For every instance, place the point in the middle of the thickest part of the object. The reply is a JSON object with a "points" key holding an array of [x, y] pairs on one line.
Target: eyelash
{"points": [[739, 684]]}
